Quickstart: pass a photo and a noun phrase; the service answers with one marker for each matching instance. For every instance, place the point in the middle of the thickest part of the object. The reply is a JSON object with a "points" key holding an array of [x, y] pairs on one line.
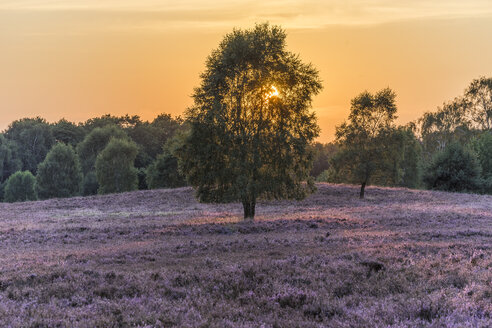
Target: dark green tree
{"points": [[94, 143], [59, 175], [482, 145], [20, 187], [9, 160], [115, 168], [89, 184], [403, 154], [67, 132], [456, 168], [251, 124], [322, 157], [34, 139], [363, 152]]}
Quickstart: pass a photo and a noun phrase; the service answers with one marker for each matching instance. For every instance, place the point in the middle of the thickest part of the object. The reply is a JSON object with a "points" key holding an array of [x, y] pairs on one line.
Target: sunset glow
{"points": [[79, 59], [273, 93]]}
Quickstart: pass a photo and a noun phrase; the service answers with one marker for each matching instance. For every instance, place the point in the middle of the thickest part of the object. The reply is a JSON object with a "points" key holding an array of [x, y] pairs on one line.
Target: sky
{"points": [[77, 59]]}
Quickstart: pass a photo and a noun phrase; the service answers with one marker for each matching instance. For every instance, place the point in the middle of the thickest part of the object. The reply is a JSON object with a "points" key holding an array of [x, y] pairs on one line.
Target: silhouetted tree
{"points": [[59, 175], [250, 122], [115, 168], [364, 152]]}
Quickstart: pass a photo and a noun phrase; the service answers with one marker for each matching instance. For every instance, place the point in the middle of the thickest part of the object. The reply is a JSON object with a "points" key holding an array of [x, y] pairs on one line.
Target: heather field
{"points": [[399, 258]]}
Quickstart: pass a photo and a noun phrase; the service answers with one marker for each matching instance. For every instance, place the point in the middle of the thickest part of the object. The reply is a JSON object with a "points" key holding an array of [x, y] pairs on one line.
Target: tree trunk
{"points": [[249, 209], [362, 190]]}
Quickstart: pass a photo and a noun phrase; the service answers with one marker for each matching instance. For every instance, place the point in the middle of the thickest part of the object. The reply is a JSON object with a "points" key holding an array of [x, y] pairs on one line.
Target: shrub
{"points": [[115, 168], [94, 143], [59, 175], [89, 184], [20, 187], [483, 147], [453, 169], [164, 173]]}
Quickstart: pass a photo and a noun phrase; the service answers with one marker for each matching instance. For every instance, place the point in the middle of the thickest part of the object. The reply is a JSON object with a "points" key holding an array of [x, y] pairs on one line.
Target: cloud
{"points": [[159, 15]]}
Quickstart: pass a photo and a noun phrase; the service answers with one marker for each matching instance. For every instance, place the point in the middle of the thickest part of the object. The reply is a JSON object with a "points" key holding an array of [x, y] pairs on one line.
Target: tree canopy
{"points": [[115, 169], [363, 150], [251, 123], [59, 175]]}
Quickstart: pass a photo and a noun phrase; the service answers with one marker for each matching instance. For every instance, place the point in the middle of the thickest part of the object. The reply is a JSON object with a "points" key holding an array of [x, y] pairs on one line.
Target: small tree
{"points": [[20, 187], [164, 173], [33, 138], [115, 168], [453, 169], [250, 122], [364, 152], [59, 175], [94, 143]]}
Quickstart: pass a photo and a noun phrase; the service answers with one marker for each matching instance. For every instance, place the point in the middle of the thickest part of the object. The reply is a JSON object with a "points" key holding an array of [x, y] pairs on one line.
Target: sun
{"points": [[273, 93]]}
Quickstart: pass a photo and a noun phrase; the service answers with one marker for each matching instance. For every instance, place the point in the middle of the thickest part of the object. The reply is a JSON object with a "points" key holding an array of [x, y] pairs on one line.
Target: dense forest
{"points": [[449, 149]]}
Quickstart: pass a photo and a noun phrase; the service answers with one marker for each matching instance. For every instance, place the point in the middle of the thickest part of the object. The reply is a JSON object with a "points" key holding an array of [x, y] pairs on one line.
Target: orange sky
{"points": [[81, 58]]}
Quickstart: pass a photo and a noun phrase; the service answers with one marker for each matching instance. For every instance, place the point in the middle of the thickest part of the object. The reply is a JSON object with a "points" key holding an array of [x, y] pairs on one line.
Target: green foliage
{"points": [[479, 101], [364, 152], [9, 161], [115, 169], [164, 173], [322, 157], [456, 168], [246, 141], [33, 138], [20, 187], [89, 184], [483, 148], [402, 159], [94, 143], [67, 132], [59, 175]]}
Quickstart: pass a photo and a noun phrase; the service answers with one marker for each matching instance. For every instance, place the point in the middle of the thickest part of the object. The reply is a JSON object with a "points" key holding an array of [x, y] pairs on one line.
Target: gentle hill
{"points": [[160, 259]]}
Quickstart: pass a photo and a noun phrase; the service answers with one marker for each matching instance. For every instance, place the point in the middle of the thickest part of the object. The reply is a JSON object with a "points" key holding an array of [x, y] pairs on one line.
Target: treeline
{"points": [[449, 149], [107, 154]]}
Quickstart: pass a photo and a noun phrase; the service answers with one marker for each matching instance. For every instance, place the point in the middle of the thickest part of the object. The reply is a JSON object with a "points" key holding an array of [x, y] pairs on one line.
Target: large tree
{"points": [[364, 151], [251, 123]]}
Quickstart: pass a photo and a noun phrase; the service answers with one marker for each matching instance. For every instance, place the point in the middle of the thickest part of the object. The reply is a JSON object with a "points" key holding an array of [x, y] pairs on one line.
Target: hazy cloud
{"points": [[155, 14]]}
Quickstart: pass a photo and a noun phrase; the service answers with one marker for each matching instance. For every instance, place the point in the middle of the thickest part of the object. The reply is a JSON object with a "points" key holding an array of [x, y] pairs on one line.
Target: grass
{"points": [[400, 258]]}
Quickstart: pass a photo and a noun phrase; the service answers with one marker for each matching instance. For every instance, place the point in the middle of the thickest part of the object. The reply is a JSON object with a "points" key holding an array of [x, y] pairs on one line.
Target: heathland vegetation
{"points": [[396, 257]]}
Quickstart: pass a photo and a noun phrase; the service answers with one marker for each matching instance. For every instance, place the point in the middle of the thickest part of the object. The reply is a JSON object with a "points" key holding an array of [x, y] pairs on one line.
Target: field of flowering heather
{"points": [[400, 258]]}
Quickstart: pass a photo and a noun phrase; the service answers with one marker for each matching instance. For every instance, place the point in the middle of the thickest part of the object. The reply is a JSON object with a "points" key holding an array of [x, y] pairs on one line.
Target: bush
{"points": [[20, 187], [453, 169], [115, 168], [483, 147], [94, 143], [89, 184], [164, 173], [59, 175]]}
